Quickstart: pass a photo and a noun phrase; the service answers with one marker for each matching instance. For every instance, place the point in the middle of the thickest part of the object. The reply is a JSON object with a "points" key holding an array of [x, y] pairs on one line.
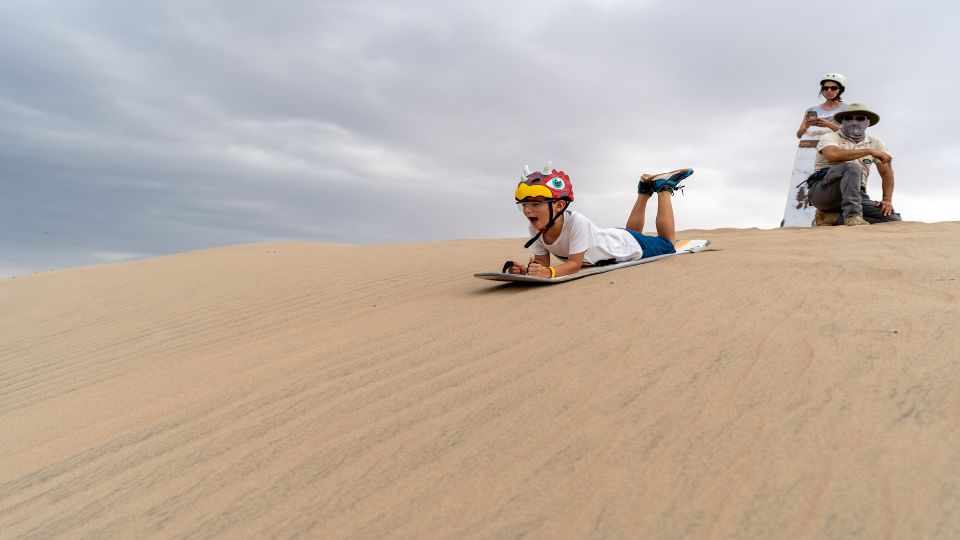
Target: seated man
{"points": [[839, 185]]}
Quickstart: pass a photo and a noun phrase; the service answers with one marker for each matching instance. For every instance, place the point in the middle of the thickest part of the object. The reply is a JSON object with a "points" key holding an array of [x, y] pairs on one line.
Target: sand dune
{"points": [[789, 384]]}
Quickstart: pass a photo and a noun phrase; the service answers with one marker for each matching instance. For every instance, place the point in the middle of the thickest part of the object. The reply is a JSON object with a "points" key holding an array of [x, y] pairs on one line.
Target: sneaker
{"points": [[645, 187], [855, 220], [826, 218], [666, 181]]}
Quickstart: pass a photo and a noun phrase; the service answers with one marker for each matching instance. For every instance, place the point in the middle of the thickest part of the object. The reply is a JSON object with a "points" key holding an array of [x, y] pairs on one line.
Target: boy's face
{"points": [[538, 212]]}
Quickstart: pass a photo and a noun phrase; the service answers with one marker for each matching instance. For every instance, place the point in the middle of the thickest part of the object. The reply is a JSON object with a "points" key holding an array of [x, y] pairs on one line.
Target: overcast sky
{"points": [[130, 129]]}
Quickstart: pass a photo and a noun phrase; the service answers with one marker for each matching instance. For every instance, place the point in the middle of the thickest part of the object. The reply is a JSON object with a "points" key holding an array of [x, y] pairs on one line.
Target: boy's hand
{"points": [[538, 270], [517, 268]]}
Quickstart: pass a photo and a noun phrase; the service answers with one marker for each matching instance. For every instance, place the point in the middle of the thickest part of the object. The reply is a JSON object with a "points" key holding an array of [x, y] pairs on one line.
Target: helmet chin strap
{"points": [[553, 219]]}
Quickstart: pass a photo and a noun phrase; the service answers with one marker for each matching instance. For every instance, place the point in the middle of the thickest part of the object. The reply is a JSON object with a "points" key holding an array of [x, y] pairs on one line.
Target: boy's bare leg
{"points": [[638, 214], [666, 227]]}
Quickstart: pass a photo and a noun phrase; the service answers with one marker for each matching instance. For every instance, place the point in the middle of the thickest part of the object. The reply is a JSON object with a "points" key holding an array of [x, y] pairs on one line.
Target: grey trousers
{"points": [[840, 191]]}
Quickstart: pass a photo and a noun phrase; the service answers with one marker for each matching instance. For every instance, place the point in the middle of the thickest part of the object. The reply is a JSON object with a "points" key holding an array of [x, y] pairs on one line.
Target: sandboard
{"points": [[799, 212], [682, 246]]}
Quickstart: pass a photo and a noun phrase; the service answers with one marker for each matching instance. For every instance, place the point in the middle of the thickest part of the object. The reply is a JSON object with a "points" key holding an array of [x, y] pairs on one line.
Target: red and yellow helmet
{"points": [[550, 184]]}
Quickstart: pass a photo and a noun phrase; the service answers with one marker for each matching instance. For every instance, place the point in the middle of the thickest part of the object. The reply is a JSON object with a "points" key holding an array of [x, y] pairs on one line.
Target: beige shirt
{"points": [[835, 139]]}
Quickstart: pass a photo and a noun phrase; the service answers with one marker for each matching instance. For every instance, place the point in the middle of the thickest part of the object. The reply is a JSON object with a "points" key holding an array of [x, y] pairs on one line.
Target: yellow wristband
{"points": [[553, 273]]}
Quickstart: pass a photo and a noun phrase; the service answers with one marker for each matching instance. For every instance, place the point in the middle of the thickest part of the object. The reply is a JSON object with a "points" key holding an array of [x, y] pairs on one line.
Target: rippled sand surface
{"points": [[787, 384]]}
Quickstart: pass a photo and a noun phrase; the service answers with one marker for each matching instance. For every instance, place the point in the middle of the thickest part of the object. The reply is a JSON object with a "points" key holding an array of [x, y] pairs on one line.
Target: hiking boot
{"points": [[666, 181], [826, 218], [855, 220]]}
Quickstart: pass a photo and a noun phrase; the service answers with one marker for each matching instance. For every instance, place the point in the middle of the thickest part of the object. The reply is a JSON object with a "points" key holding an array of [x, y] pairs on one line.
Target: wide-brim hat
{"points": [[858, 108]]}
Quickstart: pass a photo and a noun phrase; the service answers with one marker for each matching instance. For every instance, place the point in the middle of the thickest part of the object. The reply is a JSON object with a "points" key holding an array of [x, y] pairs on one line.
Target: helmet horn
{"points": [[526, 171], [548, 167]]}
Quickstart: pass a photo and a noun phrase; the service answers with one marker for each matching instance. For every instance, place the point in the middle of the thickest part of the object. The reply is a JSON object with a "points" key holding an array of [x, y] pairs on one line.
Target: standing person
{"points": [[843, 165], [817, 121]]}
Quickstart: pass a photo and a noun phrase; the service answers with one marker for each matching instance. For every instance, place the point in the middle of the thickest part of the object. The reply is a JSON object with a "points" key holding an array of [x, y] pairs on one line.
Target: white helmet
{"points": [[835, 77]]}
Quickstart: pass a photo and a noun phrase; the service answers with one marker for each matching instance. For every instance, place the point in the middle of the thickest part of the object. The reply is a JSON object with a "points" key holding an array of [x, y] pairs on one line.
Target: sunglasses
{"points": [[858, 118], [534, 205], [831, 88]]}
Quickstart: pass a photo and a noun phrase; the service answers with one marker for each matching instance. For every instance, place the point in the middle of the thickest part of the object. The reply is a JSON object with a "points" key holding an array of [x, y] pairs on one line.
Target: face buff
{"points": [[854, 129]]}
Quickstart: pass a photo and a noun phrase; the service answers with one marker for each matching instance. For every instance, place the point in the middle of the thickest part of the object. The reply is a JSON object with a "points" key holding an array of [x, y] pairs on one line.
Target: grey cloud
{"points": [[142, 129]]}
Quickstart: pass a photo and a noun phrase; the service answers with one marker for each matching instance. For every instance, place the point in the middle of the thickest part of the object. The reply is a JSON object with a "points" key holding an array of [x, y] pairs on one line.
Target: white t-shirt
{"points": [[579, 234], [813, 133]]}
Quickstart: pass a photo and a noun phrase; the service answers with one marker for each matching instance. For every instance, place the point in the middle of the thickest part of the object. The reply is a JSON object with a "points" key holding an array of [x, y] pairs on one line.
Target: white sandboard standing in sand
{"points": [[798, 212], [682, 246]]}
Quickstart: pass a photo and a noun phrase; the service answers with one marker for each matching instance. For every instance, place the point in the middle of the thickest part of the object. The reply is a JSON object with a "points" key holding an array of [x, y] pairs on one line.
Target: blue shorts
{"points": [[652, 245]]}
